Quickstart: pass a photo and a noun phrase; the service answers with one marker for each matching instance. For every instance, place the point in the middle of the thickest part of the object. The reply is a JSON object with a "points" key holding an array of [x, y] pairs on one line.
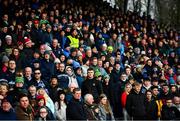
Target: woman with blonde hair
{"points": [[48, 100], [105, 108]]}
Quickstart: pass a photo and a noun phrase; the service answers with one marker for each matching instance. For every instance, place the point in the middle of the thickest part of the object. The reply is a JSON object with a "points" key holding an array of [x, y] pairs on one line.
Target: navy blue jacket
{"points": [[11, 115], [75, 110]]}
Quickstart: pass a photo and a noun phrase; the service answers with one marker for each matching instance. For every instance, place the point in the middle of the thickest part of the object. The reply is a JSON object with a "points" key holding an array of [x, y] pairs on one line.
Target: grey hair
{"points": [[87, 96]]}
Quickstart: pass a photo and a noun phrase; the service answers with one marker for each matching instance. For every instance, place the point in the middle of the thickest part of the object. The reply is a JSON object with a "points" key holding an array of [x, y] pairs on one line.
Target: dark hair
{"points": [[148, 91], [75, 90], [90, 69], [22, 95], [58, 98]]}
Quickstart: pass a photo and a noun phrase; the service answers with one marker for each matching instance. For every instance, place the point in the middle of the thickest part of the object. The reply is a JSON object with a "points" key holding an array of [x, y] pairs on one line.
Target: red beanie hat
{"points": [[40, 97], [26, 40]]}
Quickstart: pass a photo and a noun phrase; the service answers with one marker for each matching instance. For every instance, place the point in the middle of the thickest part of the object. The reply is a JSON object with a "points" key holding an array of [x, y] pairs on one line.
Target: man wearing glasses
{"points": [[38, 82]]}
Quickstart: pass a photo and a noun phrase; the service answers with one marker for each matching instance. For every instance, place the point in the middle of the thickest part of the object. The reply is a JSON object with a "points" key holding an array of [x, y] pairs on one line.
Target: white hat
{"points": [[8, 37]]}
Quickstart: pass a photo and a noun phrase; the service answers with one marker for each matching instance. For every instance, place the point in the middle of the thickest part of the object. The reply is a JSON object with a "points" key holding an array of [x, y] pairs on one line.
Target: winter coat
{"points": [[53, 91], [60, 113], [75, 110], [93, 87], [47, 69], [50, 105], [89, 112], [151, 110], [10, 115], [63, 80], [135, 105], [23, 114], [170, 113], [103, 113], [80, 80], [13, 95]]}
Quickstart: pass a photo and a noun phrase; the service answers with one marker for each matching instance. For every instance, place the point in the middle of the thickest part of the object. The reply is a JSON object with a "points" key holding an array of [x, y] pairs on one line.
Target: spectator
{"points": [[107, 87], [124, 95], [47, 66], [28, 79], [88, 99], [42, 103], [4, 66], [4, 88], [18, 58], [38, 82], [60, 106], [79, 76], [56, 49], [75, 108], [19, 89], [49, 103], [105, 108], [135, 105], [63, 79], [11, 72], [6, 110], [176, 102], [91, 85], [71, 75], [169, 112], [72, 40], [43, 114], [165, 93], [27, 113], [53, 88], [151, 107], [146, 85], [32, 95], [123, 98]]}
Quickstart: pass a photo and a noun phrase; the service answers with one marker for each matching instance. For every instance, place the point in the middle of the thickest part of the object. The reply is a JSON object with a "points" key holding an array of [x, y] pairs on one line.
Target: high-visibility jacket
{"points": [[74, 41], [159, 105]]}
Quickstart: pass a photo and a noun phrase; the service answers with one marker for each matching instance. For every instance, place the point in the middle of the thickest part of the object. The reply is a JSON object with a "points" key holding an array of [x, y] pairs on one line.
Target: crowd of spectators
{"points": [[83, 60]]}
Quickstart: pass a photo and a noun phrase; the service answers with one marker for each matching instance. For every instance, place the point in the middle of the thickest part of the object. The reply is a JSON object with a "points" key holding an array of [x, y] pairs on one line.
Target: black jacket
{"points": [[170, 113], [151, 110], [93, 87], [75, 110], [135, 105]]}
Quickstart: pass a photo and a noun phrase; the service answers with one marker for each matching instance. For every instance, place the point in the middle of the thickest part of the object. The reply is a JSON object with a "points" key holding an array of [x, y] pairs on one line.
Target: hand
{"points": [[1, 97]]}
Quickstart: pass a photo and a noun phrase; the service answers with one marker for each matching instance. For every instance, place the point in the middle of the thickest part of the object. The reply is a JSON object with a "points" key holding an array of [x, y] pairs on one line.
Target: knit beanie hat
{"points": [[19, 80], [5, 59], [106, 76], [40, 97], [26, 40], [110, 48], [6, 99], [97, 74], [8, 37]]}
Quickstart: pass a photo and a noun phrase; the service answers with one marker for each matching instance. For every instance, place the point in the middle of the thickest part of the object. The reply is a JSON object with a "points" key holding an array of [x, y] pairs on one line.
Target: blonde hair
{"points": [[44, 94]]}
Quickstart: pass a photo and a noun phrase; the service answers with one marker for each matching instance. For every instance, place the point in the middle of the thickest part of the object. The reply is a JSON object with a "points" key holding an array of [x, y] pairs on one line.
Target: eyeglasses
{"points": [[37, 73]]}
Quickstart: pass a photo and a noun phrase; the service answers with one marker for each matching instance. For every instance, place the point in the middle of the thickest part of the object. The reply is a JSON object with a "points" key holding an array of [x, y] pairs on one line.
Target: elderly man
{"points": [[89, 100]]}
